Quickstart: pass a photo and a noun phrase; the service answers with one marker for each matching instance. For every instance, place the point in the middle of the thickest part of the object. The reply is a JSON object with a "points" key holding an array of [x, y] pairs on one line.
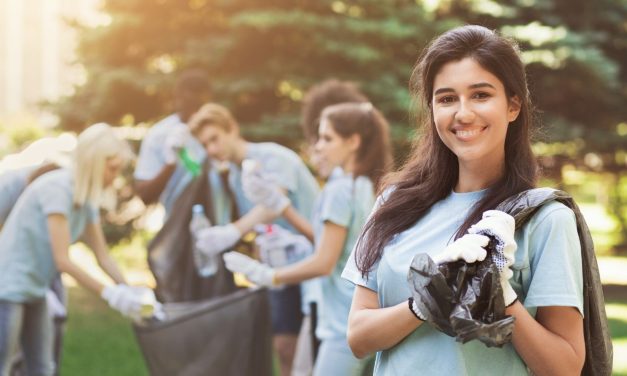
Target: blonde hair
{"points": [[96, 144], [212, 114]]}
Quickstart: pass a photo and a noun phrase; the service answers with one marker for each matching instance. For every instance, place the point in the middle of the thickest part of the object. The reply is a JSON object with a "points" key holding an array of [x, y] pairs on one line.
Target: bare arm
{"points": [[300, 223], [372, 329], [150, 190], [59, 233], [94, 238], [322, 262], [558, 330]]}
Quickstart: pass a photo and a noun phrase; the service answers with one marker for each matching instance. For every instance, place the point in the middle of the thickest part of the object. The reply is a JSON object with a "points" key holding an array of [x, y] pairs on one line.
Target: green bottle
{"points": [[189, 163]]}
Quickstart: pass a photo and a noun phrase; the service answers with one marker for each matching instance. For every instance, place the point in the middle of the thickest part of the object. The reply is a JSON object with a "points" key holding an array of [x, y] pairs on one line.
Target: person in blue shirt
{"points": [[218, 131], [354, 137], [159, 176], [317, 98], [473, 153], [53, 212]]}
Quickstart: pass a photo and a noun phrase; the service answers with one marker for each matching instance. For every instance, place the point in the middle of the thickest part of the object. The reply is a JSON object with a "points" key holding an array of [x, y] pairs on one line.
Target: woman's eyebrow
{"points": [[473, 86]]}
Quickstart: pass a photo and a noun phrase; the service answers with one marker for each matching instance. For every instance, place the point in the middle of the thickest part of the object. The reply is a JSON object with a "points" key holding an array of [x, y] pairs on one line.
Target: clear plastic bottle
{"points": [[279, 247], [206, 265]]}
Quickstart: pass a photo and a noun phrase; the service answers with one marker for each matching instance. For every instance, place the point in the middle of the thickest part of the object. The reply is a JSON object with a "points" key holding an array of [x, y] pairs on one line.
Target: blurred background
{"points": [[65, 64]]}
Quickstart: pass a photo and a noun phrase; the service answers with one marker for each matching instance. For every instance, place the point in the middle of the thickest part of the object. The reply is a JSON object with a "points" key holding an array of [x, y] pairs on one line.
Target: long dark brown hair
{"points": [[431, 171], [374, 156]]}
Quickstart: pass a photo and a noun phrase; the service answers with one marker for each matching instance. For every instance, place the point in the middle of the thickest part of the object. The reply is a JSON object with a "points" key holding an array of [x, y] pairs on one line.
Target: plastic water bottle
{"points": [[206, 265], [279, 247]]}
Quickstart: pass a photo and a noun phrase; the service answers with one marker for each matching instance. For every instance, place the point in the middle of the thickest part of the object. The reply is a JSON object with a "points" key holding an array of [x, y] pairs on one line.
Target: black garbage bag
{"points": [[462, 300], [230, 335], [170, 252], [599, 352]]}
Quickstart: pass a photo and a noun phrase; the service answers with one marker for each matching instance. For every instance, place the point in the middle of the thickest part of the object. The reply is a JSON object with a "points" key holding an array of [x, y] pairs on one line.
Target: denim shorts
{"points": [[285, 310]]}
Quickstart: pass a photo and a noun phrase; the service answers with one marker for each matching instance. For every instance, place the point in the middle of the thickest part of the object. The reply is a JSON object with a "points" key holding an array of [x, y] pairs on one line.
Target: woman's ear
{"points": [[354, 142], [513, 108]]}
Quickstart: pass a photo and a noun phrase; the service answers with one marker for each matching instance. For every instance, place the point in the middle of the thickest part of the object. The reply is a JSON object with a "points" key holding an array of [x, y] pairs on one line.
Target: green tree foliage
{"points": [[576, 55], [261, 57]]}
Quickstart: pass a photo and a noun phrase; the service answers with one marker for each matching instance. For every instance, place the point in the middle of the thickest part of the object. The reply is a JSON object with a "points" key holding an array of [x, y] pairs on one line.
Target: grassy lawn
{"points": [[98, 341]]}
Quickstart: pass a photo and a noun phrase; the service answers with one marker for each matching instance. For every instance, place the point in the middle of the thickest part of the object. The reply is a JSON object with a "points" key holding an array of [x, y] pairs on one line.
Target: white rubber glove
{"points": [[123, 299], [256, 272], [502, 226], [216, 239], [468, 248], [150, 307], [416, 311], [56, 309], [262, 190], [174, 143]]}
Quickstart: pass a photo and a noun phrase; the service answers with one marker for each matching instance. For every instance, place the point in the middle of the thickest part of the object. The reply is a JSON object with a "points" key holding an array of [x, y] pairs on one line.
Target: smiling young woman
{"points": [[474, 152]]}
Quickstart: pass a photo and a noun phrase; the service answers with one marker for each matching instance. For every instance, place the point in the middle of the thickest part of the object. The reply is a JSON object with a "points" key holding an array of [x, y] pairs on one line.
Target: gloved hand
{"points": [[415, 310], [468, 248], [174, 143], [256, 272], [123, 299], [216, 239], [149, 306], [262, 190], [501, 226]]}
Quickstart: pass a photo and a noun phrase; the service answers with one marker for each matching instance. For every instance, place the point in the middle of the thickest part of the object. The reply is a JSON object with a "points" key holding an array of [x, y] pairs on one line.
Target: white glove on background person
{"points": [[256, 272], [468, 248], [216, 239], [123, 299], [261, 190], [149, 302], [502, 226], [175, 141]]}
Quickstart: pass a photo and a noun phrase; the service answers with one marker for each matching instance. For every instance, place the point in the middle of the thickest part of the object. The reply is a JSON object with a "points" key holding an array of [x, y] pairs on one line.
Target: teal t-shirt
{"points": [[346, 202], [12, 184], [26, 264], [547, 272]]}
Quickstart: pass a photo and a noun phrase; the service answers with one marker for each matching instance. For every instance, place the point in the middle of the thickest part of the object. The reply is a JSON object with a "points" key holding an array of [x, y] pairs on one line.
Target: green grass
{"points": [[617, 317], [98, 341]]}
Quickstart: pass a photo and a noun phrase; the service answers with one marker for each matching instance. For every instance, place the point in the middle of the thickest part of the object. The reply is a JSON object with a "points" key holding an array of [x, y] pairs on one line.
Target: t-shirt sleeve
{"points": [[555, 260], [150, 160], [336, 206], [351, 272], [55, 198]]}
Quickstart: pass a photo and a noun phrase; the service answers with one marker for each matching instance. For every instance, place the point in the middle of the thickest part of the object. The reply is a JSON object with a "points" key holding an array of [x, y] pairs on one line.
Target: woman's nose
{"points": [[465, 113]]}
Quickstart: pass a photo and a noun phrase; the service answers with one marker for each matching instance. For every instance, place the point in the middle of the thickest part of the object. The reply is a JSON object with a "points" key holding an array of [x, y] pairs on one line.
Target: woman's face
{"points": [[332, 149], [113, 167], [471, 112]]}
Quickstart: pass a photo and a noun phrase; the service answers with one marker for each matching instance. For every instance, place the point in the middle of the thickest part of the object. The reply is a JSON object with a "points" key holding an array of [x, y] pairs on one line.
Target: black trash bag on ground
{"points": [[463, 300], [230, 335]]}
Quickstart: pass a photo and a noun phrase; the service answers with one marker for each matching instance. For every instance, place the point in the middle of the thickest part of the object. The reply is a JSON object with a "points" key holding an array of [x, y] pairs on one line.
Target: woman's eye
{"points": [[446, 99], [482, 95]]}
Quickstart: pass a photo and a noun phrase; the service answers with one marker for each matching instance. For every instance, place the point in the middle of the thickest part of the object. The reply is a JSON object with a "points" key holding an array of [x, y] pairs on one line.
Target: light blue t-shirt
{"points": [[346, 202], [547, 272], [12, 183], [26, 264]]}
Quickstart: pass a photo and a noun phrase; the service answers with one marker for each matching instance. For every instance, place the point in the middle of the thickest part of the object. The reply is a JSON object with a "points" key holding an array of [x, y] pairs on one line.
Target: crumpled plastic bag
{"points": [[462, 300]]}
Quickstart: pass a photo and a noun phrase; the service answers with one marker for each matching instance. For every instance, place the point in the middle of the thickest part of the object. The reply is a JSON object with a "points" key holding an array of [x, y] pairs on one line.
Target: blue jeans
{"points": [[30, 325]]}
